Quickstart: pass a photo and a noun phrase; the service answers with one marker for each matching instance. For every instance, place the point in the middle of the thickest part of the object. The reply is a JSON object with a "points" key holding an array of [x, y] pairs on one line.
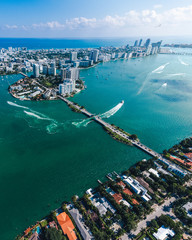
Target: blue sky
{"points": [[95, 18]]}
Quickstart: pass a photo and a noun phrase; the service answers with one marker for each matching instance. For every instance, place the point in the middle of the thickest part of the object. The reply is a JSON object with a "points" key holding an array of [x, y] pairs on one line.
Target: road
{"points": [[158, 211]]}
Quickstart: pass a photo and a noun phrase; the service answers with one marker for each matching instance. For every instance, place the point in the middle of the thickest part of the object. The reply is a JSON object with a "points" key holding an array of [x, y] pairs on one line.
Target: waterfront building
{"points": [[136, 43], [137, 187], [76, 64], [148, 50], [154, 50], [94, 55], [66, 88], [36, 70], [73, 56], [67, 226], [140, 42], [84, 63], [72, 73], [78, 218], [147, 42]]}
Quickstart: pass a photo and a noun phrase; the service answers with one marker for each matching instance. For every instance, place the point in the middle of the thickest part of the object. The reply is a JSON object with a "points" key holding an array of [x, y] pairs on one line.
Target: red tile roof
{"points": [[67, 226], [135, 202], [127, 191], [122, 184], [118, 197]]}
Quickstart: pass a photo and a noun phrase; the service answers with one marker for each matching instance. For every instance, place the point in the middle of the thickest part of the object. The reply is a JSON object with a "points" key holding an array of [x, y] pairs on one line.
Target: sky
{"points": [[95, 18]]}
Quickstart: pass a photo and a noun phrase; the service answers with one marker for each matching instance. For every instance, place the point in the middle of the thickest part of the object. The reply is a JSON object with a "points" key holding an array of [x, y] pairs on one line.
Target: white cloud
{"points": [[11, 26], [144, 20]]}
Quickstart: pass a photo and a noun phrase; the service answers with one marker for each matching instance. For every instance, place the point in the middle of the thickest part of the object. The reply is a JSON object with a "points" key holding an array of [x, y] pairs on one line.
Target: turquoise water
{"points": [[45, 158]]}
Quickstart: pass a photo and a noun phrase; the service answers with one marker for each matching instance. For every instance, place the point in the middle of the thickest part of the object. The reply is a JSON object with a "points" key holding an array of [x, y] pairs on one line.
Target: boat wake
{"points": [[16, 105], [183, 63], [51, 128], [107, 114], [157, 70], [112, 111], [175, 74], [160, 69], [32, 114]]}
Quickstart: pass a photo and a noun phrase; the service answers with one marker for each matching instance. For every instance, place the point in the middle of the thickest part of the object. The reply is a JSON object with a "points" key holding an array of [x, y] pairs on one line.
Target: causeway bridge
{"points": [[25, 75], [97, 119]]}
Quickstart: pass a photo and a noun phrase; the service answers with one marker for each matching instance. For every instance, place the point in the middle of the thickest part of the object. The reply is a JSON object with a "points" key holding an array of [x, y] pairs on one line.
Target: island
{"points": [[151, 199]]}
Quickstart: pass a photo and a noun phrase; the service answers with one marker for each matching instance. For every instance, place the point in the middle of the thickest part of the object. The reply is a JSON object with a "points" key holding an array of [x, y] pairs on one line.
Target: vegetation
{"points": [[52, 234], [117, 136]]}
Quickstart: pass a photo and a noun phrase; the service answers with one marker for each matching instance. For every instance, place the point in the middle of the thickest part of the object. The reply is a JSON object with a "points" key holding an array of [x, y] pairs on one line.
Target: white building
{"points": [[36, 70], [66, 88], [164, 233], [73, 56], [137, 187]]}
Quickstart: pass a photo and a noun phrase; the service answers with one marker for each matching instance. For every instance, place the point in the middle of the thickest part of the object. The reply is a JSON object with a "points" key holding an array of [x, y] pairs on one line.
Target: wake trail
{"points": [[157, 70], [107, 114], [36, 116], [183, 63], [16, 105], [112, 111], [160, 69]]}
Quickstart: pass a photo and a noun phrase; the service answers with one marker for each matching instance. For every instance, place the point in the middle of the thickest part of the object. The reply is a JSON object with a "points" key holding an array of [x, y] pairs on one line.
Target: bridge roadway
{"points": [[23, 74], [97, 119]]}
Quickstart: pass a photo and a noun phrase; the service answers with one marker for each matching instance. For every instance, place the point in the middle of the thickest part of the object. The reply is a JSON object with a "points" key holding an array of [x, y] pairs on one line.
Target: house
{"points": [[164, 233], [53, 225], [67, 226], [137, 187], [144, 184], [122, 184], [188, 209], [85, 232], [102, 204], [153, 171]]}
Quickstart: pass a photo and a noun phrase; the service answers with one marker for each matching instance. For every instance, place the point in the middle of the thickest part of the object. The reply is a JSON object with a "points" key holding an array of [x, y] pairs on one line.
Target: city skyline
{"points": [[65, 19]]}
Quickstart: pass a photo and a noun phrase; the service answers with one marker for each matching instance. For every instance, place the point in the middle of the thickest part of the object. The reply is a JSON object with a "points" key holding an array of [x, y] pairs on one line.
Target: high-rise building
{"points": [[66, 87], [72, 73], [147, 42], [52, 70], [94, 55], [148, 50], [140, 41], [45, 69], [73, 56], [136, 43], [35, 70], [63, 73]]}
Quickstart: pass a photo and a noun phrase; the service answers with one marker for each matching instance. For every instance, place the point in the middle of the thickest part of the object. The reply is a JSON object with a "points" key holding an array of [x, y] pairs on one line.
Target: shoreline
{"points": [[64, 205]]}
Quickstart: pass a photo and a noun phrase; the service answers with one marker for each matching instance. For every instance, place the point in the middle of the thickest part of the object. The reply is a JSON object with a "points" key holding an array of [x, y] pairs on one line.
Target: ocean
{"points": [[48, 155]]}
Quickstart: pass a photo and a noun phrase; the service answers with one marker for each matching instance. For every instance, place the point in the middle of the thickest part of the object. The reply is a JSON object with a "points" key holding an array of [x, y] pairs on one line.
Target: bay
{"points": [[46, 158]]}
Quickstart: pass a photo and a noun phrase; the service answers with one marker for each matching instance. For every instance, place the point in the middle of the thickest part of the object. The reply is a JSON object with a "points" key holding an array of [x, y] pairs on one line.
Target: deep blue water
{"points": [[38, 43]]}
